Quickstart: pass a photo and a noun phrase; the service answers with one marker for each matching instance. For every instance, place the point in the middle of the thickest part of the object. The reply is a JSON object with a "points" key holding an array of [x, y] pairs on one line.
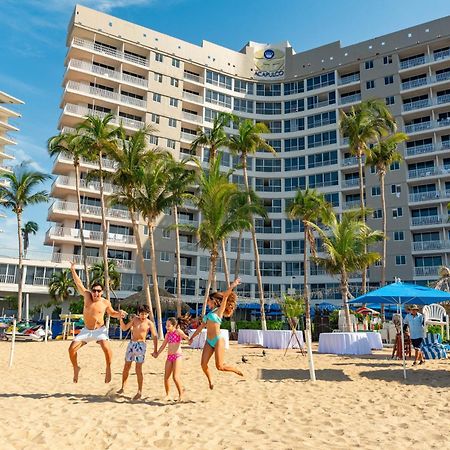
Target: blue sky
{"points": [[32, 48]]}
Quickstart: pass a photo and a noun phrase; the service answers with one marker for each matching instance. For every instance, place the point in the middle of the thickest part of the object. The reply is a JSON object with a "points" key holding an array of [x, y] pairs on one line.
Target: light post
{"points": [[291, 290]]}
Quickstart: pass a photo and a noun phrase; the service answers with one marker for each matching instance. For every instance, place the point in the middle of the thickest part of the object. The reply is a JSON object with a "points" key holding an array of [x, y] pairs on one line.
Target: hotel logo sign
{"points": [[269, 62]]}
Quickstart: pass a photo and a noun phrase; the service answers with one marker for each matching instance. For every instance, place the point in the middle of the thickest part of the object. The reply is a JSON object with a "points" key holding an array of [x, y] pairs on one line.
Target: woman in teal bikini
{"points": [[221, 304]]}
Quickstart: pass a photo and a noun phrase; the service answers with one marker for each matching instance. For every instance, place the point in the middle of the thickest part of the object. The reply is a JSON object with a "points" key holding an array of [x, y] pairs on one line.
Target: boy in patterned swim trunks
{"points": [[140, 325]]}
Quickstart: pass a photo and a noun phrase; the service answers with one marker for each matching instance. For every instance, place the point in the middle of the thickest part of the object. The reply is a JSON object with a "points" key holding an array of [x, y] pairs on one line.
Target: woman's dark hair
{"points": [[181, 322], [143, 309], [95, 284], [216, 298]]}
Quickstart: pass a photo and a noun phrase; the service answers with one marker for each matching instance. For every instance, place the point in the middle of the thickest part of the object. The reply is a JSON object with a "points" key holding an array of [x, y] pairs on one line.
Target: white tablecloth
{"points": [[281, 339], [254, 337], [374, 340], [200, 340], [344, 343]]}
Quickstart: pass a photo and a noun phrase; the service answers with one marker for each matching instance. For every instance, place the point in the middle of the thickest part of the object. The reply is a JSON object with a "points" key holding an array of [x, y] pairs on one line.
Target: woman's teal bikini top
{"points": [[212, 317]]}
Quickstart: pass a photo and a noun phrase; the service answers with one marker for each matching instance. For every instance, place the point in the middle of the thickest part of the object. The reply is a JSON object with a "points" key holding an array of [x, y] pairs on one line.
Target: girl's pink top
{"points": [[173, 337]]}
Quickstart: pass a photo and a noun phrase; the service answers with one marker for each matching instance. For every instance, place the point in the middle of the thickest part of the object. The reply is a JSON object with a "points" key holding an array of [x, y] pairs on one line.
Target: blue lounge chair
{"points": [[433, 348]]}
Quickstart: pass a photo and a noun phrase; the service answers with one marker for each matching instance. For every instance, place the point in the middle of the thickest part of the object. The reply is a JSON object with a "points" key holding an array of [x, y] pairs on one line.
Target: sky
{"points": [[33, 47]]}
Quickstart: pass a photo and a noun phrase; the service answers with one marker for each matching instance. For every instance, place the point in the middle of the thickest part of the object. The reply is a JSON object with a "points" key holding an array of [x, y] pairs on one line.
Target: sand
{"points": [[357, 402]]}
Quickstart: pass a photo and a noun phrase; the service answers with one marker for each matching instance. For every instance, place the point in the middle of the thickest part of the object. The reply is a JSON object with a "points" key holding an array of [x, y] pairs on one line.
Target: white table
{"points": [[344, 343], [281, 339], [199, 341], [374, 340], [253, 337]]}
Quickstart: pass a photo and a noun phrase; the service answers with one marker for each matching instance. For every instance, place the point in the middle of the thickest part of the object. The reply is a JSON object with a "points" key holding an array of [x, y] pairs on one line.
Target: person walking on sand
{"points": [[222, 304], [175, 333], [140, 325], [94, 309], [416, 324]]}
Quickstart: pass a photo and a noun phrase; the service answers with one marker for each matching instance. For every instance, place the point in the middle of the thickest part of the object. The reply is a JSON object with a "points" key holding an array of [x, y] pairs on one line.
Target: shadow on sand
{"points": [[301, 375], [416, 377]]}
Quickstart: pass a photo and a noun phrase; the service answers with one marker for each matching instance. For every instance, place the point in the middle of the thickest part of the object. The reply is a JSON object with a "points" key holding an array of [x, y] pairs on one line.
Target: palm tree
{"points": [[131, 159], [248, 141], [181, 180], [344, 243], [70, 143], [61, 286], [214, 138], [381, 156], [16, 195], [29, 228], [99, 138], [309, 206], [365, 124], [98, 275]]}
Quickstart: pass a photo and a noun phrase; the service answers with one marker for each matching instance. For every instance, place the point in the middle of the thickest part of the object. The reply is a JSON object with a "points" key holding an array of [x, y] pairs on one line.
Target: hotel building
{"points": [[145, 77]]}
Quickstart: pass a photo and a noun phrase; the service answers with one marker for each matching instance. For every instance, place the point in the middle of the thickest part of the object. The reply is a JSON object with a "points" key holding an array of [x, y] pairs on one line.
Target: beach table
{"points": [[344, 343], [375, 340], [199, 341], [281, 339], [254, 337]]}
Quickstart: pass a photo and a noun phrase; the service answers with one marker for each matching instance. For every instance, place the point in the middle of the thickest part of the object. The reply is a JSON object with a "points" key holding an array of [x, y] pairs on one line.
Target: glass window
{"points": [[158, 77], [296, 163], [320, 120], [295, 87], [268, 90], [370, 84], [218, 98], [171, 143], [295, 247], [172, 122], [387, 59], [320, 81], [322, 159], [368, 64], [174, 82], [399, 236], [175, 62], [243, 105], [218, 79], [320, 139], [294, 184], [293, 125], [400, 260], [292, 106], [269, 108], [156, 97], [159, 57], [268, 184], [268, 165], [323, 179], [155, 118], [173, 102], [389, 79], [390, 100], [291, 145]]}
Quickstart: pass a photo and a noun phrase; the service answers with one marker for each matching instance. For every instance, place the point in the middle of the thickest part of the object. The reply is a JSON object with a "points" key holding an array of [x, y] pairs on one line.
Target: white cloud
{"points": [[22, 156], [101, 5]]}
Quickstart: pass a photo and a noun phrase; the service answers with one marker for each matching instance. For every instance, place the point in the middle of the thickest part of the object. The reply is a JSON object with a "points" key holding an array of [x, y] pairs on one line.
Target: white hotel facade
{"points": [[145, 77]]}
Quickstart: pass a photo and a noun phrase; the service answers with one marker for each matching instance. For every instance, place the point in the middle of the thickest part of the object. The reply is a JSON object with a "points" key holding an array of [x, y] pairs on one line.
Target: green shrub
{"points": [[436, 329]]}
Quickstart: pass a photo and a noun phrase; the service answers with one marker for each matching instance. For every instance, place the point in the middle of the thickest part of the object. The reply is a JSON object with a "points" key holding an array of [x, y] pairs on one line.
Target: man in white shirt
{"points": [[416, 324]]}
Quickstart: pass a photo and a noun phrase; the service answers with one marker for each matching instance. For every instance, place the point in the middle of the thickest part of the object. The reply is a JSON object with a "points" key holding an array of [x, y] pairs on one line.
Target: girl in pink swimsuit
{"points": [[174, 335]]}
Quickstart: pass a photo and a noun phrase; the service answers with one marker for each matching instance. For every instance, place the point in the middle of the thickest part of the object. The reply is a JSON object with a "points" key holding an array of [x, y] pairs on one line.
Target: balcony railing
{"points": [[425, 220], [351, 205], [9, 279], [420, 149], [187, 270], [430, 245], [192, 97], [192, 77], [346, 79], [443, 54], [424, 196], [425, 172], [350, 99], [124, 264], [442, 99], [64, 180], [192, 117], [188, 246], [188, 221], [353, 160], [415, 127], [413, 62], [139, 60], [90, 235], [425, 103], [351, 182], [320, 104], [188, 136], [415, 83], [106, 163], [114, 213], [426, 271]]}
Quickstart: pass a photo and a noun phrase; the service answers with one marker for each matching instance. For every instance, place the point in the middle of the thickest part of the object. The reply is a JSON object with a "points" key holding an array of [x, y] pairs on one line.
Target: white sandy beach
{"points": [[358, 402]]}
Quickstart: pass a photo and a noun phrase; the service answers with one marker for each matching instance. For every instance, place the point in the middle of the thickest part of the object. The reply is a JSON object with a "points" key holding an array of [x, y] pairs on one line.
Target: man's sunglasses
{"points": [[96, 290]]}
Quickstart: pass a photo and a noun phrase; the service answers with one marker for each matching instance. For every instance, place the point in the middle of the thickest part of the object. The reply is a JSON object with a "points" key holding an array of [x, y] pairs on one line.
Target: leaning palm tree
{"points": [[214, 138], [29, 228], [309, 206], [344, 244], [17, 194], [61, 286], [99, 138], [381, 156], [70, 144], [365, 124], [248, 141], [131, 159]]}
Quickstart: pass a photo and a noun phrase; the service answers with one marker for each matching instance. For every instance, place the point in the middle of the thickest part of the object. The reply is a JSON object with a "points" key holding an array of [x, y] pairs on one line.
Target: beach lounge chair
{"points": [[433, 348]]}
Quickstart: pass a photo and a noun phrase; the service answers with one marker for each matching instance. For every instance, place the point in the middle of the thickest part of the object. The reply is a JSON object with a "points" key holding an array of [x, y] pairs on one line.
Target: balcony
{"points": [[353, 182], [192, 97], [425, 172], [61, 207], [425, 103], [350, 99], [443, 54], [415, 127], [354, 204], [420, 149], [64, 180], [7, 279], [97, 236], [192, 77], [424, 196], [98, 48], [425, 220], [441, 99], [320, 104], [188, 137], [106, 163], [188, 246], [426, 271], [186, 270], [415, 83], [107, 73], [192, 117], [424, 246], [185, 221], [347, 79], [123, 264], [413, 62], [352, 161]]}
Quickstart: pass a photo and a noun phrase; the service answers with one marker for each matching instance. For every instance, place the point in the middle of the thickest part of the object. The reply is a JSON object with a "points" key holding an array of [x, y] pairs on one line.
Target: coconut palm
{"points": [[70, 144], [98, 275], [99, 138], [29, 228], [344, 244], [381, 156], [214, 138], [131, 158], [61, 286], [248, 141], [365, 124], [309, 206], [17, 193]]}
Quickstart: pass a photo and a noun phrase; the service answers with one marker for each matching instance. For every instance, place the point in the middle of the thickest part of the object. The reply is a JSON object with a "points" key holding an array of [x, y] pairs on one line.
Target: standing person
{"points": [[94, 309], [221, 304], [175, 333], [140, 325], [416, 324]]}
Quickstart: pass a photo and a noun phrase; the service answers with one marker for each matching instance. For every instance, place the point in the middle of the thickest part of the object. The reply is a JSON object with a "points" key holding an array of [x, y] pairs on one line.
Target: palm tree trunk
{"points": [[20, 281], [344, 293], [225, 263], [140, 255], [308, 340], [104, 228], [151, 229], [177, 250], [383, 208], [255, 249], [237, 264], [208, 286], [363, 216], [80, 220]]}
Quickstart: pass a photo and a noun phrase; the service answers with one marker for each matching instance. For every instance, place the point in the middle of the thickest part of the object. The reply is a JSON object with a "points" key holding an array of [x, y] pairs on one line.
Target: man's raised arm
{"points": [[77, 280]]}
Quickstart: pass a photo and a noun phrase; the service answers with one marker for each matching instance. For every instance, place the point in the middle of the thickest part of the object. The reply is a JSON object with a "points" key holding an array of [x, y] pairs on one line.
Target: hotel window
{"points": [[325, 99], [164, 256], [390, 100], [275, 144], [270, 268], [158, 77], [159, 57], [166, 233], [323, 180], [377, 214], [333, 198], [368, 64], [293, 269], [243, 105], [387, 59], [396, 189], [370, 84], [291, 145], [320, 120], [171, 144], [320, 81], [175, 62], [389, 79], [395, 166], [174, 82], [293, 125], [294, 106], [376, 191], [397, 212], [173, 102], [293, 226], [218, 79], [400, 260], [217, 98], [296, 87], [268, 226], [245, 87], [428, 261], [153, 139], [210, 115], [172, 122], [268, 90], [268, 108], [268, 165], [156, 97], [322, 159], [297, 163], [274, 126], [269, 247], [246, 245], [268, 184], [294, 184], [295, 247], [399, 236], [320, 139], [155, 118]]}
